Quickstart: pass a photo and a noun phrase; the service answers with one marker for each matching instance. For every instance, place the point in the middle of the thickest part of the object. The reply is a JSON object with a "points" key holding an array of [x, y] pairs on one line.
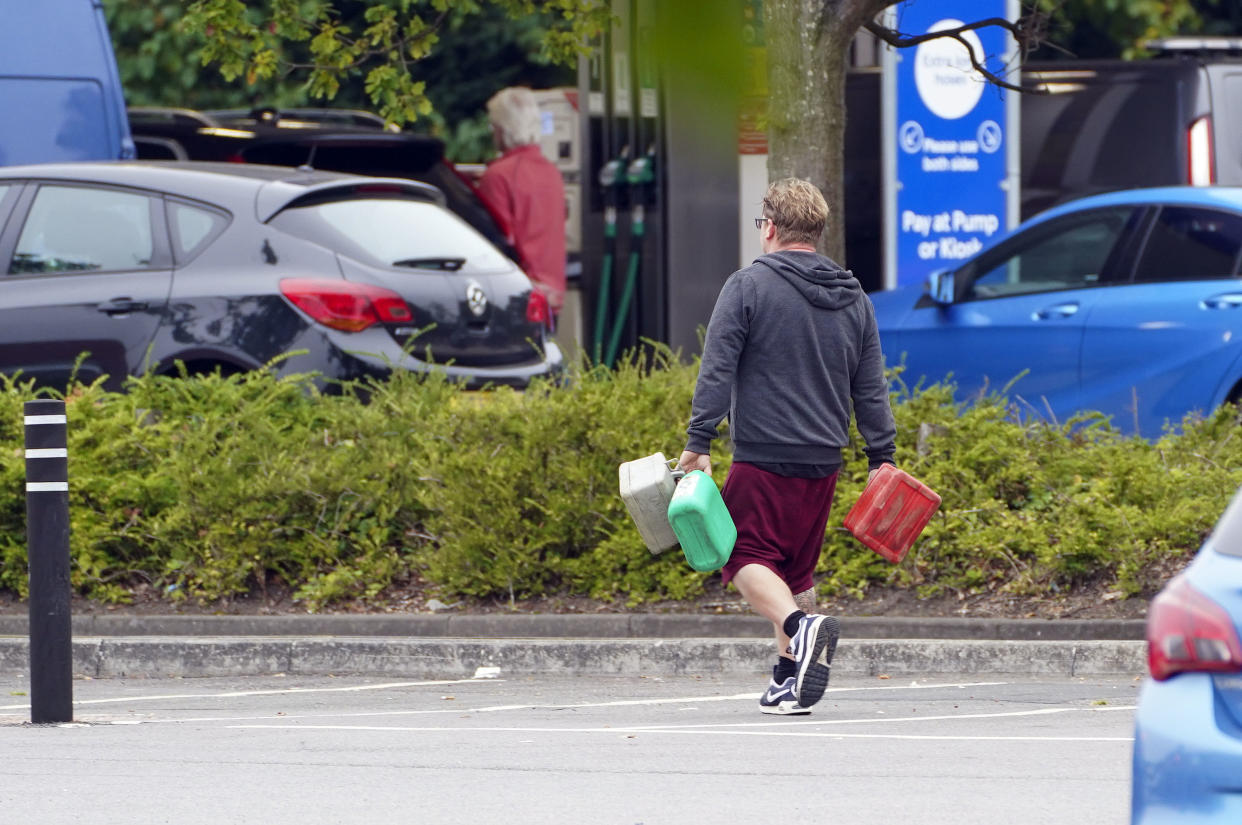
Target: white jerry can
{"points": [[647, 486]]}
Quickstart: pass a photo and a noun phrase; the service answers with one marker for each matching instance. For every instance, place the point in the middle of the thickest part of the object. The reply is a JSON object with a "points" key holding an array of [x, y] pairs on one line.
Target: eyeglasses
{"points": [[759, 222]]}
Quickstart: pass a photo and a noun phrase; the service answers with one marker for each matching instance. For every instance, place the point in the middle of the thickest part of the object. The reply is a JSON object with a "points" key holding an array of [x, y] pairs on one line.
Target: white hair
{"points": [[515, 114]]}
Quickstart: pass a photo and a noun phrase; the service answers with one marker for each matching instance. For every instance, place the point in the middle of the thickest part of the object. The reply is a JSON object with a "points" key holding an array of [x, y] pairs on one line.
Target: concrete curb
{"points": [[579, 626], [195, 656]]}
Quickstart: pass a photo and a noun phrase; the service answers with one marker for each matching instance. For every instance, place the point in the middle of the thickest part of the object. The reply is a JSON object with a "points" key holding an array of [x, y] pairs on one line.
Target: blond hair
{"points": [[514, 112], [797, 209]]}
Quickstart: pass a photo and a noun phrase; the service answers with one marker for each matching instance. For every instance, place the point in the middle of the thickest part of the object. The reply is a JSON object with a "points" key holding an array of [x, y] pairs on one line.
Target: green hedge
{"points": [[209, 487]]}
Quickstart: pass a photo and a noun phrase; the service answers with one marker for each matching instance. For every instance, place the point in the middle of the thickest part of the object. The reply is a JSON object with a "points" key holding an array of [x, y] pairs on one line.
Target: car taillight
{"points": [[1187, 631], [1199, 153], [537, 309], [345, 305]]}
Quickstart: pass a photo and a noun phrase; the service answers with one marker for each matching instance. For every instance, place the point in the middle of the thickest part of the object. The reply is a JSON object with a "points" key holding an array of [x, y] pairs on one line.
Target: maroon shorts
{"points": [[780, 522]]}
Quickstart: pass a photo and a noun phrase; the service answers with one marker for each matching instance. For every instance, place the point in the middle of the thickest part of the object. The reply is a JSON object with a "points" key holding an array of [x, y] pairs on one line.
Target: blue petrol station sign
{"points": [[952, 170]]}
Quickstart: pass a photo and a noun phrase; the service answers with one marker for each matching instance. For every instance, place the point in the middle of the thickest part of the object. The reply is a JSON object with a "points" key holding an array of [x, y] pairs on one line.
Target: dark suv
{"points": [[1106, 125], [334, 140]]}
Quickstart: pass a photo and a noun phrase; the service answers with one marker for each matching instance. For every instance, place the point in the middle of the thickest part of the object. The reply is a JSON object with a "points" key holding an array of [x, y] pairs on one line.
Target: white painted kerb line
{"points": [[46, 419], [48, 452]]}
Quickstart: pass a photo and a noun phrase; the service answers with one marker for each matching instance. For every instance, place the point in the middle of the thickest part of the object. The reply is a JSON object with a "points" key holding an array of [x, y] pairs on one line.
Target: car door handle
{"points": [[1226, 300], [119, 306], [1055, 311]]}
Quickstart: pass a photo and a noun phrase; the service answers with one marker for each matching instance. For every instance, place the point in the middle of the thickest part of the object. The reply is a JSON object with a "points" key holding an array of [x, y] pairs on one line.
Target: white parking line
{"points": [[739, 727], [618, 703], [878, 719], [802, 727], [240, 693], [635, 733], [788, 728], [491, 709], [835, 735], [783, 727]]}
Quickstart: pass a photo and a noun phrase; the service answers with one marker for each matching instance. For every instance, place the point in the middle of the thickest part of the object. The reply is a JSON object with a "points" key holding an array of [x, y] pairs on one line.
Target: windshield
{"points": [[394, 232]]}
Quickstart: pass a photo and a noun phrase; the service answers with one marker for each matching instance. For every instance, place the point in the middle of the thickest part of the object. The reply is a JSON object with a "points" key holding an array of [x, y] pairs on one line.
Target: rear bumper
{"points": [[551, 365], [373, 354], [1187, 764]]}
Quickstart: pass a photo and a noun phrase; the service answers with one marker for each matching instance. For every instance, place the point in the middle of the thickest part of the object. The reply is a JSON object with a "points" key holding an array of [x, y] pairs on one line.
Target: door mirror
{"points": [[940, 286]]}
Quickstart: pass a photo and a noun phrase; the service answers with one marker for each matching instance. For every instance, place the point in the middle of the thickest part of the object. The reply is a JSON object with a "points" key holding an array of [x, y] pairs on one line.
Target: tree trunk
{"points": [[808, 46]]}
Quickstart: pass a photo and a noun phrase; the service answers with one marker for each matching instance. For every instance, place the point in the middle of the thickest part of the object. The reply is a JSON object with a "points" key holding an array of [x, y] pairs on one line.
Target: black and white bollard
{"points": [[47, 541]]}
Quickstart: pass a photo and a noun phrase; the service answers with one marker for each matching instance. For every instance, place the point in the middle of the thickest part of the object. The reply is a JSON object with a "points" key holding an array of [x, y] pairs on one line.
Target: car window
{"points": [[462, 199], [193, 227], [1186, 243], [1066, 254], [386, 232], [73, 229]]}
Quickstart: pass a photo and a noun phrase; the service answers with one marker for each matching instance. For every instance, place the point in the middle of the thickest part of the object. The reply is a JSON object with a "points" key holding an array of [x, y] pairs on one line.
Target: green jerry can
{"points": [[701, 522]]}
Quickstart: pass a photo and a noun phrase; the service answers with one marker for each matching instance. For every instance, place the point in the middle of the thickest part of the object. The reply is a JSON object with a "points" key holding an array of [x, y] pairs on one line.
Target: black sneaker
{"points": [[812, 648], [779, 700]]}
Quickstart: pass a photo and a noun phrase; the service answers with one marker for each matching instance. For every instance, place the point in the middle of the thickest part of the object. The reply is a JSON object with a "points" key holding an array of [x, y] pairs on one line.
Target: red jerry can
{"points": [[891, 513]]}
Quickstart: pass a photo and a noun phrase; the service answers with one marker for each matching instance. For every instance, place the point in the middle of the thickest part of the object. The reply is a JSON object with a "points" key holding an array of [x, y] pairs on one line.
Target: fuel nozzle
{"points": [[612, 179], [640, 174], [611, 174], [612, 183]]}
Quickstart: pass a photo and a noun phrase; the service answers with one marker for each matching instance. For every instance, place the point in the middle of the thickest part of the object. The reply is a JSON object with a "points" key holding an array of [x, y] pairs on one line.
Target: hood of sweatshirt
{"points": [[820, 280]]}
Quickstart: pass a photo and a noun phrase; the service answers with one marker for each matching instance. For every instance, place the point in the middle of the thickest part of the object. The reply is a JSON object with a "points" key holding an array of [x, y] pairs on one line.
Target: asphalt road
{"points": [[531, 749]]}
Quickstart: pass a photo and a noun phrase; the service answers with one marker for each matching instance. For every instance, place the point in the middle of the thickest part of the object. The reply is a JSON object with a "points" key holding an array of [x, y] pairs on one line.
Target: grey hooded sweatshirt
{"points": [[791, 343]]}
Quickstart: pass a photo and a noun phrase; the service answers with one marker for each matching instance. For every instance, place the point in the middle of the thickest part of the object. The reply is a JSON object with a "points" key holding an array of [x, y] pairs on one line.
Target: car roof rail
{"points": [[306, 117], [170, 114], [1194, 45], [343, 117]]}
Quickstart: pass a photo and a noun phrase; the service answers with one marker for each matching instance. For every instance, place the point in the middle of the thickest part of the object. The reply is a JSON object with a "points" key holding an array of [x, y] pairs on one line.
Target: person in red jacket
{"points": [[525, 193]]}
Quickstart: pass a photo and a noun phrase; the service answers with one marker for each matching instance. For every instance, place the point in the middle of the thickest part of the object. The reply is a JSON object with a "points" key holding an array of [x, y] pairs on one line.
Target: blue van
{"points": [[60, 91]]}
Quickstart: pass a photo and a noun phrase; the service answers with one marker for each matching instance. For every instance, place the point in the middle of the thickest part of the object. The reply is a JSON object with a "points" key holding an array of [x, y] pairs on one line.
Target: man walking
{"points": [[791, 343]]}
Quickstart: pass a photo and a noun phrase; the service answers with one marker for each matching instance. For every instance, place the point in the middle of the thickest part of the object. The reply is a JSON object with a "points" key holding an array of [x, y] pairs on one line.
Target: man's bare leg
{"points": [[770, 597]]}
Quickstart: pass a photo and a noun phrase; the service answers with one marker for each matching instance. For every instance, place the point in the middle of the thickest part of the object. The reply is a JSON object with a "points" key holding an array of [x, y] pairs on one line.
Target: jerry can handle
{"points": [[678, 473]]}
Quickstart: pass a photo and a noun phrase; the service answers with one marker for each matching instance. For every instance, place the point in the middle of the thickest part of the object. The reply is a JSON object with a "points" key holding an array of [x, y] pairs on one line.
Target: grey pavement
{"points": [[455, 645], [608, 750]]}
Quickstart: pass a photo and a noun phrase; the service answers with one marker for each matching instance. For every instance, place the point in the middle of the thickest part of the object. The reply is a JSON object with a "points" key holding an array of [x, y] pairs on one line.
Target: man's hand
{"points": [[695, 461]]}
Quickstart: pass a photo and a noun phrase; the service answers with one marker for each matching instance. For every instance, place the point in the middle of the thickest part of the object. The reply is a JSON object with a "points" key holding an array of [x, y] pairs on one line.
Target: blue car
{"points": [[1127, 303], [1188, 728]]}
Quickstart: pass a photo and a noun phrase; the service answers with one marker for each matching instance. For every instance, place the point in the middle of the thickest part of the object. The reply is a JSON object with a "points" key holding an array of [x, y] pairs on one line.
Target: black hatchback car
{"points": [[140, 265]]}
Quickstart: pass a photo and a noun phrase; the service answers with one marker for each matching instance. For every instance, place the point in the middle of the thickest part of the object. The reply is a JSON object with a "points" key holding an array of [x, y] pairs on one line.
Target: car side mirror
{"points": [[940, 286]]}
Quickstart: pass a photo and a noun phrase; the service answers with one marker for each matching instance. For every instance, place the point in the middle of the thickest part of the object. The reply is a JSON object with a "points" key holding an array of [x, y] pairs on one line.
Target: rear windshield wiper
{"points": [[449, 264]]}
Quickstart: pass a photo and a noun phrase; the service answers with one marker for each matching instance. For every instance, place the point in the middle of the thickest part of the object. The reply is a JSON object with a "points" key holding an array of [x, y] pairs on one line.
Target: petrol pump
{"points": [[660, 190]]}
